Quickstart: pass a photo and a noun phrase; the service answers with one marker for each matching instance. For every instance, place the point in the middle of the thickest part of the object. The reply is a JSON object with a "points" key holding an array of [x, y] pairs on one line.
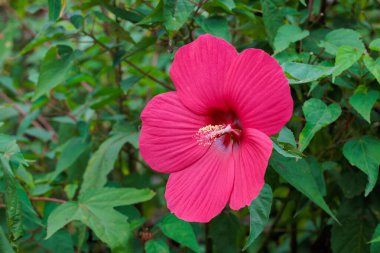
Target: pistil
{"points": [[206, 135]]}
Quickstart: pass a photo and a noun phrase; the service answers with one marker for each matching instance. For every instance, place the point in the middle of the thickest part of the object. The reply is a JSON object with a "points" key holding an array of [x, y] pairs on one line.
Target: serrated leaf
{"points": [[54, 70], [363, 102], [12, 201], [341, 37], [364, 154], [375, 45], [286, 35], [180, 231], [156, 246], [318, 115], [95, 209], [346, 56], [373, 66], [8, 146], [298, 174], [286, 136], [102, 161], [259, 211], [285, 144], [305, 73]]}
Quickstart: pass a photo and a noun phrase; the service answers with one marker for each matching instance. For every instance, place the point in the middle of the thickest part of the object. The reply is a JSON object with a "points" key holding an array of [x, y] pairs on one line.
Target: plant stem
{"points": [[48, 199], [208, 241]]}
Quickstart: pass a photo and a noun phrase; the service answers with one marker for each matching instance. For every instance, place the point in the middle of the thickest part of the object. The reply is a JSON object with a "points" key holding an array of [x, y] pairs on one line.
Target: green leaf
{"points": [[5, 246], [352, 183], [71, 151], [156, 246], [286, 35], [180, 231], [364, 154], [113, 197], [56, 9], [46, 35], [26, 122], [227, 5], [8, 146], [285, 149], [298, 173], [305, 73], [286, 136], [222, 241], [346, 56], [102, 161], [376, 235], [373, 66], [217, 26], [355, 230], [259, 211], [131, 16], [318, 115], [375, 241], [351, 236], [12, 201], [285, 144], [60, 242], [341, 37], [176, 13], [95, 209], [375, 45], [77, 21], [363, 102], [70, 190], [55, 68], [317, 172], [272, 16]]}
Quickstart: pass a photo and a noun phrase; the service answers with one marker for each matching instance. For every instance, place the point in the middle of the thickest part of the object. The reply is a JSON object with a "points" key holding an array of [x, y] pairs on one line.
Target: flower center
{"points": [[206, 135]]}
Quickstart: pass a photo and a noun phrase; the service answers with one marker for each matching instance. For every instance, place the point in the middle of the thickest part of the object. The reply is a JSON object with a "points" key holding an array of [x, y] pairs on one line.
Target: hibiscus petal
{"points": [[259, 91], [167, 140], [251, 160], [198, 72], [201, 191]]}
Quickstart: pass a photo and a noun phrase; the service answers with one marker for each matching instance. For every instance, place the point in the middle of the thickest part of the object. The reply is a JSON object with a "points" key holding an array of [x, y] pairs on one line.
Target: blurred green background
{"points": [[75, 76]]}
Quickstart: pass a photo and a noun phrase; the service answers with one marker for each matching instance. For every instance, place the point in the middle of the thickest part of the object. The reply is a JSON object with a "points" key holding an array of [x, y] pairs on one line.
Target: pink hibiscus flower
{"points": [[212, 133]]}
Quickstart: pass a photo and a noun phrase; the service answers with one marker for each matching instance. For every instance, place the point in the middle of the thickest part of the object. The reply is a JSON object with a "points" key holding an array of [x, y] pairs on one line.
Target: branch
{"points": [[169, 87], [48, 199], [104, 46], [41, 122]]}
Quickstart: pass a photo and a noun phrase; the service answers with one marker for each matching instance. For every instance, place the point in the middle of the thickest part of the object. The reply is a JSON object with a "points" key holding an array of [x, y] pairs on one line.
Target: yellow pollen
{"points": [[206, 135]]}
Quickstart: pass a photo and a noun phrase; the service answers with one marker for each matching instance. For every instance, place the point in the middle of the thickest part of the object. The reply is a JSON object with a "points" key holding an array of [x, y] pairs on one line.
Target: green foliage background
{"points": [[75, 75]]}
